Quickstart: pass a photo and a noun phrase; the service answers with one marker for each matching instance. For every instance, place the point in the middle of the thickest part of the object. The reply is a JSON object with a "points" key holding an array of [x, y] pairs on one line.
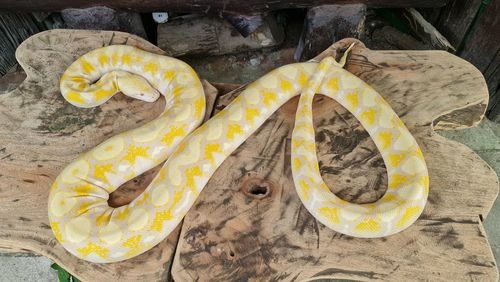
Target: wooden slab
{"points": [[40, 133], [249, 224]]}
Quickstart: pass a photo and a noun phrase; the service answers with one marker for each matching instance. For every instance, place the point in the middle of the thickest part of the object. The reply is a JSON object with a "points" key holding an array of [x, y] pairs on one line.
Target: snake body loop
{"points": [[87, 227]]}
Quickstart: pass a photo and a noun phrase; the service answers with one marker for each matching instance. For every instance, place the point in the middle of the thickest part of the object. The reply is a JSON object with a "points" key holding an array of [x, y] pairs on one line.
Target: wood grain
{"points": [[40, 133], [326, 24], [11, 35], [201, 35], [456, 18], [249, 224], [483, 51], [205, 6]]}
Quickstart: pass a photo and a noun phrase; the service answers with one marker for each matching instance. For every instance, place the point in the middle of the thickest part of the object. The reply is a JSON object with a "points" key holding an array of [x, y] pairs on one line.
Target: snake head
{"points": [[137, 87]]}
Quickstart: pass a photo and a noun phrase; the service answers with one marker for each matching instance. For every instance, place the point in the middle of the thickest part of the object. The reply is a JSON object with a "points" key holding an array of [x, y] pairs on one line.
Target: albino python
{"points": [[87, 227]]}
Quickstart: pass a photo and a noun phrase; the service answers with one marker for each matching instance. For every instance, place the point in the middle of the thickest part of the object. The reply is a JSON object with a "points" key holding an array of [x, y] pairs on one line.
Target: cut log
{"points": [[250, 225], [40, 133], [327, 24], [214, 36], [206, 6], [103, 18]]}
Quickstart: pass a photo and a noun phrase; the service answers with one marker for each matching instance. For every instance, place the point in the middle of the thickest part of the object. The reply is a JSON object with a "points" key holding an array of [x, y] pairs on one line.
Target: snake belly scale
{"points": [[89, 228]]}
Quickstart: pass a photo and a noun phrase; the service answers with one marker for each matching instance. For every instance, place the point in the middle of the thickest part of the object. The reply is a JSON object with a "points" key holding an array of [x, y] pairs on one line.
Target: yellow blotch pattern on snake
{"points": [[90, 229]]}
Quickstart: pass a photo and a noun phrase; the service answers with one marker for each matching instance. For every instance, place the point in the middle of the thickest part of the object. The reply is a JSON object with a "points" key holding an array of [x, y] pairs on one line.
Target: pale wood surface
{"points": [[40, 133], [232, 234]]}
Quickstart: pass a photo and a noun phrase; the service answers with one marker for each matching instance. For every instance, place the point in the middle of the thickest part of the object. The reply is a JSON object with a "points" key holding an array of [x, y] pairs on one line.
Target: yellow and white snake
{"points": [[89, 228]]}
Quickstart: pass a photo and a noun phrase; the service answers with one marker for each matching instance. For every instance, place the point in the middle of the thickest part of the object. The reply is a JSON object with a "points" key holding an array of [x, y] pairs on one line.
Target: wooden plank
{"points": [[41, 133], [492, 75], [14, 29], [205, 6], [249, 224], [482, 50], [456, 18]]}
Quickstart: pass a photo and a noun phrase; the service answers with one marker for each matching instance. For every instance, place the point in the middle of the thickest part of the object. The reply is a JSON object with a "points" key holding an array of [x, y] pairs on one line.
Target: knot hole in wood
{"points": [[257, 188]]}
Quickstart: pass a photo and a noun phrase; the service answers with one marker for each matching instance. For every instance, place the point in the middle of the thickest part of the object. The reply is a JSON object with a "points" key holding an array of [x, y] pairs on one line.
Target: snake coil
{"points": [[89, 228]]}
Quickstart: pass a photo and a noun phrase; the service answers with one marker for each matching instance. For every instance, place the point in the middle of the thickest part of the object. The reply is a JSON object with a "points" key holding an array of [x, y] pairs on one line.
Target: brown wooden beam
{"points": [[205, 6], [483, 51]]}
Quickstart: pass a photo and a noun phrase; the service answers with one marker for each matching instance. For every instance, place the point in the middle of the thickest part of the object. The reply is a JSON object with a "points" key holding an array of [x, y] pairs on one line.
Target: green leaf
{"points": [[63, 275]]}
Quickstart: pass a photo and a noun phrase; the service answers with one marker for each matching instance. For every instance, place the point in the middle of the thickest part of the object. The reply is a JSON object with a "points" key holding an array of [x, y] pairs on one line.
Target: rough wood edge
{"points": [[46, 246], [436, 125]]}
